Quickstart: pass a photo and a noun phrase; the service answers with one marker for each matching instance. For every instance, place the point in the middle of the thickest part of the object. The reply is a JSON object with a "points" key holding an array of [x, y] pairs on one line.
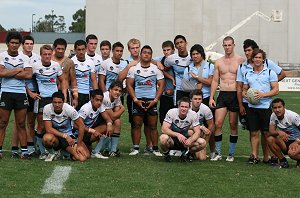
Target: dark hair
{"points": [[168, 44], [228, 38], [277, 100], [90, 36], [60, 41], [196, 92], [117, 44], [105, 43], [184, 99], [179, 37], [27, 37], [116, 83], [146, 47], [58, 94], [13, 35], [79, 43], [250, 43], [45, 47], [96, 92], [199, 49], [257, 51]]}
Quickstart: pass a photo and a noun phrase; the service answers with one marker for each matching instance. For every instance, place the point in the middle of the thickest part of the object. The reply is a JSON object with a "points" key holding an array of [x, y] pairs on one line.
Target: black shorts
{"points": [[229, 100], [100, 120], [244, 118], [177, 145], [11, 101], [129, 108], [137, 110], [258, 119], [86, 138], [31, 104], [43, 102], [287, 144], [166, 103], [181, 94], [82, 99], [206, 102], [63, 143]]}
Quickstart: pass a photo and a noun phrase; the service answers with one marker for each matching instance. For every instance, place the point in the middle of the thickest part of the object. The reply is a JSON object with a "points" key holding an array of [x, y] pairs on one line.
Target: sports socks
{"points": [[114, 141], [100, 144], [14, 149], [24, 150], [218, 140], [233, 140], [30, 147], [39, 142]]}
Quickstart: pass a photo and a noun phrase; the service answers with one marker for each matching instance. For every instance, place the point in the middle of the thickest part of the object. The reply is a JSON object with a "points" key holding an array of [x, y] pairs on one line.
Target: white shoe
{"points": [[212, 155], [134, 152], [230, 158], [177, 153], [216, 157], [100, 156], [43, 156], [50, 157], [157, 153]]}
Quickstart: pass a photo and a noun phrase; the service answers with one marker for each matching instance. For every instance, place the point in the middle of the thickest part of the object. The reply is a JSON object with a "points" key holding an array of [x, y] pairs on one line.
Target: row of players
{"points": [[226, 69]]}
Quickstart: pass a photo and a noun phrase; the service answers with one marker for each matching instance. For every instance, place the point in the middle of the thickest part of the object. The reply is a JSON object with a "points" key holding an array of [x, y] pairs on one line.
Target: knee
{"points": [[201, 142], [117, 123], [164, 139], [271, 140], [137, 125], [3, 124], [20, 124], [218, 124], [49, 140]]}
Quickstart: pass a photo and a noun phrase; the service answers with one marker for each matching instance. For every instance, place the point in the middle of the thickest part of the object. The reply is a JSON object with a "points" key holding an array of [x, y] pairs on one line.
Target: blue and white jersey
{"points": [[181, 125], [12, 84], [111, 70], [242, 70], [46, 77], [179, 64], [204, 113], [83, 70], [289, 124], [145, 80], [88, 115], [208, 70], [63, 121], [97, 60], [272, 66], [261, 82], [32, 84], [107, 103]]}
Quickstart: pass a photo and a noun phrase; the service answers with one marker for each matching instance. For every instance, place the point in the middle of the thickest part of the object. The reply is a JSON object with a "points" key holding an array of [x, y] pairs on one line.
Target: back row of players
{"points": [[147, 81]]}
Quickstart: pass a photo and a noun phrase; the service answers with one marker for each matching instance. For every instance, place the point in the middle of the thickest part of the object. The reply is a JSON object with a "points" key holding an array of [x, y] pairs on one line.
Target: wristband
{"points": [[155, 99], [90, 130], [135, 99], [65, 136], [109, 123]]}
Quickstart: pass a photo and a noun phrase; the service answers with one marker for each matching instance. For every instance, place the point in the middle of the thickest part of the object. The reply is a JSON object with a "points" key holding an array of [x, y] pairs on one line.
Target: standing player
{"points": [[284, 133], [176, 134], [68, 68], [225, 73], [14, 69], [58, 117], [85, 73], [105, 48], [141, 83], [111, 67]]}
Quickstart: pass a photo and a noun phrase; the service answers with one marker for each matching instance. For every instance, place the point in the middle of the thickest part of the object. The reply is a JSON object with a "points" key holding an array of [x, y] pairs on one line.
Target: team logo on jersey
{"points": [[52, 80], [111, 68], [52, 116], [54, 69], [21, 60], [152, 72], [176, 121], [88, 66], [186, 122], [41, 71], [176, 61], [91, 115], [85, 76], [74, 115], [76, 65], [6, 59], [276, 122], [138, 71]]}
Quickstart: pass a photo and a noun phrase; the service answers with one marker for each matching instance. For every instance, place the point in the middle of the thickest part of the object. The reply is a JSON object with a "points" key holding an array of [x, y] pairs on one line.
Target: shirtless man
{"points": [[225, 73], [67, 65]]}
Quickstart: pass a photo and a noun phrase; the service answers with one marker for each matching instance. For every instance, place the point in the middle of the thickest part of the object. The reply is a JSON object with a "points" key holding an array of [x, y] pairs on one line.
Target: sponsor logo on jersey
{"points": [[176, 61], [6, 59], [148, 83]]}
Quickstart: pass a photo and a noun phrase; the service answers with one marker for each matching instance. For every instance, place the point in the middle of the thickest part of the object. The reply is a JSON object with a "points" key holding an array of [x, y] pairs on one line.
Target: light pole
{"points": [[52, 20], [32, 27]]}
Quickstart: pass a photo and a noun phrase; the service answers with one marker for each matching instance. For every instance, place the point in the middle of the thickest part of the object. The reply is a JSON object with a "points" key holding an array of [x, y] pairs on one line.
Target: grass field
{"points": [[149, 176]]}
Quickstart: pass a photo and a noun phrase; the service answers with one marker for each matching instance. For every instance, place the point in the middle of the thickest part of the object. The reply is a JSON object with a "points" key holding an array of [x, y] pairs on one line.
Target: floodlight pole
{"points": [[32, 26]]}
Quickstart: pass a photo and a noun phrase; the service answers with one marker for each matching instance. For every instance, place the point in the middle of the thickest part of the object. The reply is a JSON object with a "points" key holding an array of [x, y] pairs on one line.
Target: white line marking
{"points": [[55, 183]]}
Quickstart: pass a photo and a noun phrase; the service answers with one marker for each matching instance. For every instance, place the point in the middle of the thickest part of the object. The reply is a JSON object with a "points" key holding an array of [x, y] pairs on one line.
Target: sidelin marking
{"points": [[55, 183]]}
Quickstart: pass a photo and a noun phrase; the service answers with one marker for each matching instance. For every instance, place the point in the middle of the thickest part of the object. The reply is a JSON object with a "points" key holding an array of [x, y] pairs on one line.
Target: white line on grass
{"points": [[55, 183]]}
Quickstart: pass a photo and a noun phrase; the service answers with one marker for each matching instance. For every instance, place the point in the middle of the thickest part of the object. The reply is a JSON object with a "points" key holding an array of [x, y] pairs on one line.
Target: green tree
{"points": [[78, 24], [51, 23], [2, 29]]}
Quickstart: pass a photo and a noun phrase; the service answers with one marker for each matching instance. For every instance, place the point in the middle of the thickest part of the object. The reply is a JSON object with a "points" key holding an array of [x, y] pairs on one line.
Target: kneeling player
{"points": [[175, 131], [57, 117], [284, 133]]}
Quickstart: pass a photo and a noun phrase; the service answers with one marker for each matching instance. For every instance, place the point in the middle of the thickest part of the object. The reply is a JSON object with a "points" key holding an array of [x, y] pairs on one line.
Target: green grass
{"points": [[149, 176]]}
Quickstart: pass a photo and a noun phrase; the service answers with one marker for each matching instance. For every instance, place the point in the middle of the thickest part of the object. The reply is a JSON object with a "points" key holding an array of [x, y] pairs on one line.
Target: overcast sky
{"points": [[18, 13]]}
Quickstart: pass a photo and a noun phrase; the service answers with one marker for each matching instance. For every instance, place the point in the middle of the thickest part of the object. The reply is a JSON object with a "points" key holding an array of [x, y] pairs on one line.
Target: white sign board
{"points": [[290, 84]]}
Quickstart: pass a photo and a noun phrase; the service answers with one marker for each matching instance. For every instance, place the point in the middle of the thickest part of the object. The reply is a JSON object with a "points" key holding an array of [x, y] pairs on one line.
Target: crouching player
{"points": [[284, 133], [57, 118], [176, 134], [96, 121]]}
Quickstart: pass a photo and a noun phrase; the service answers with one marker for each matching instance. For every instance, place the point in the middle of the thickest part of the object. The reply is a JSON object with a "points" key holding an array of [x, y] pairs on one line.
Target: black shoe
{"points": [[298, 164], [15, 155], [115, 153], [168, 158], [251, 159], [186, 156], [25, 157], [284, 164], [274, 161]]}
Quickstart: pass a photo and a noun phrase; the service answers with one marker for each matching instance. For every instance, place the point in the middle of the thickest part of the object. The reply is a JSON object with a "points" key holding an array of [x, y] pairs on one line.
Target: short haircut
{"points": [[199, 49], [228, 38], [117, 44], [96, 92], [183, 99], [133, 41], [257, 51], [179, 37], [277, 100], [146, 47], [13, 35], [250, 43], [116, 83], [58, 94], [45, 47], [90, 36], [168, 44], [196, 92], [27, 37], [105, 43], [60, 41], [79, 43]]}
